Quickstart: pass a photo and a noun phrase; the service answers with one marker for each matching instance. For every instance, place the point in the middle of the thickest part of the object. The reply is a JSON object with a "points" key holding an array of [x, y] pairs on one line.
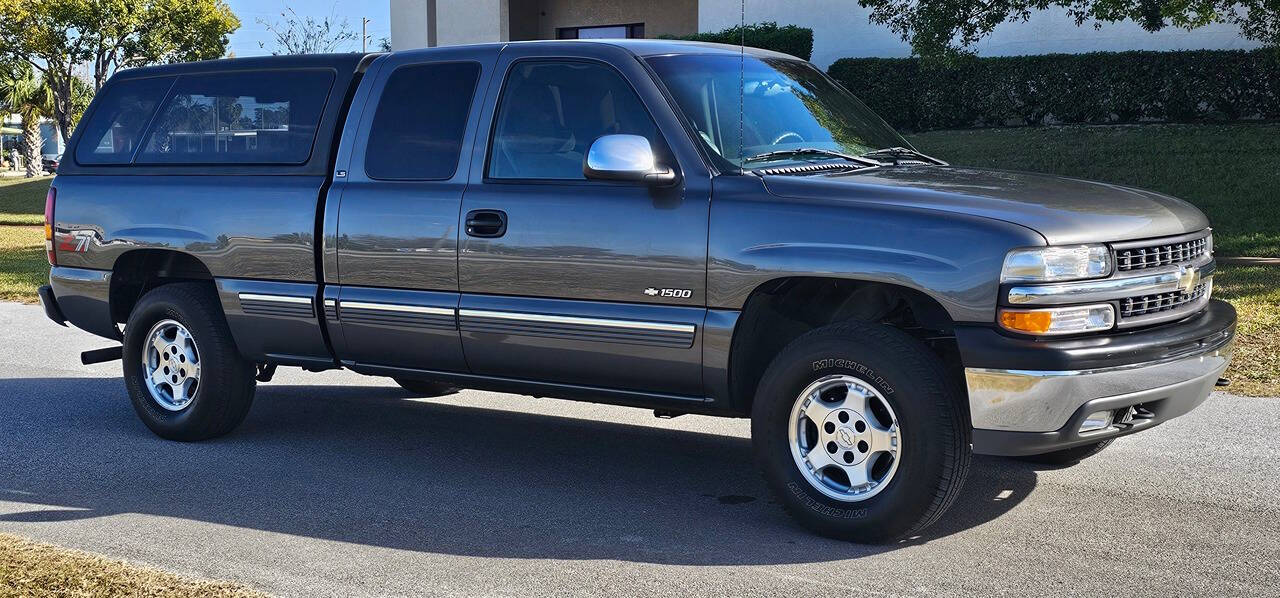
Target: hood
{"points": [[1064, 210]]}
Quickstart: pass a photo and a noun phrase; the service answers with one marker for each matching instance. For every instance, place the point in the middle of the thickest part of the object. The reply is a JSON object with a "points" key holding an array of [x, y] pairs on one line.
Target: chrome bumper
{"points": [[1047, 401]]}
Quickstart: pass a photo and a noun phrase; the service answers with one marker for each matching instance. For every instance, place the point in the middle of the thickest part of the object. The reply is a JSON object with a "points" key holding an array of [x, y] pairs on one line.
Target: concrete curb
{"points": [[1250, 261]]}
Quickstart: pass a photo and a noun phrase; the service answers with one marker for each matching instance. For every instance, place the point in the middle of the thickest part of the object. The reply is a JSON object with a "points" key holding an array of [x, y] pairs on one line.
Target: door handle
{"points": [[486, 223]]}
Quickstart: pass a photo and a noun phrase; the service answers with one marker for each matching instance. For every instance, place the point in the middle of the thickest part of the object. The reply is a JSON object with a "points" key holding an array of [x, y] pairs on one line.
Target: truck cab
{"points": [[683, 227]]}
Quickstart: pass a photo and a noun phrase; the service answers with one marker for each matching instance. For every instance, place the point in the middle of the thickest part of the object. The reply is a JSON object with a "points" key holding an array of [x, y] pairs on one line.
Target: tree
{"points": [[23, 93], [57, 36], [158, 31], [937, 28], [305, 35]]}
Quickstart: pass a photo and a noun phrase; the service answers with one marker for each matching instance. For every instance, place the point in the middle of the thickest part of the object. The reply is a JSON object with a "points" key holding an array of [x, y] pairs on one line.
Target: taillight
{"points": [[49, 199]]}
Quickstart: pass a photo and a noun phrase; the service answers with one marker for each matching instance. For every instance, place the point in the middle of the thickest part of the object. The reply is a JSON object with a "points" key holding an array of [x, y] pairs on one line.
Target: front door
{"points": [[575, 281]]}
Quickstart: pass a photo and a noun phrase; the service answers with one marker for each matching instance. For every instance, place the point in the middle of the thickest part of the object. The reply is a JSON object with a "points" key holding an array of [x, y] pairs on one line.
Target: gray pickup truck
{"points": [[687, 228]]}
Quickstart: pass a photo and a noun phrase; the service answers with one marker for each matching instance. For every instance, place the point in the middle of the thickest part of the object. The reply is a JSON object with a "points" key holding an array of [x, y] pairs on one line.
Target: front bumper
{"points": [[1150, 375]]}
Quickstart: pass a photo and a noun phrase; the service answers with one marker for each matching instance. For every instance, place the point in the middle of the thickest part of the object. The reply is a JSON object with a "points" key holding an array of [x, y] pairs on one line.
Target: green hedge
{"points": [[793, 40], [1100, 87]]}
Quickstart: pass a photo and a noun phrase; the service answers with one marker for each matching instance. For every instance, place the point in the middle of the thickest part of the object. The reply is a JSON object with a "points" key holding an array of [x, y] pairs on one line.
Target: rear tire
{"points": [[185, 377], [1067, 456], [896, 404], [426, 388]]}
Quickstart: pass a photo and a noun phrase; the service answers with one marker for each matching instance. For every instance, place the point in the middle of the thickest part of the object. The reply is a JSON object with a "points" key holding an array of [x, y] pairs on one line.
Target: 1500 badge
{"points": [[674, 293]]}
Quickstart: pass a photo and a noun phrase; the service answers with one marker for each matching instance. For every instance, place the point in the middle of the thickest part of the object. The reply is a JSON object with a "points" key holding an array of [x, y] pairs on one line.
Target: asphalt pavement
{"points": [[339, 484]]}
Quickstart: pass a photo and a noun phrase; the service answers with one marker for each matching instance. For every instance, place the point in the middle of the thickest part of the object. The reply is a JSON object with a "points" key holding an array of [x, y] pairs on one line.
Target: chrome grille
{"points": [[1154, 256], [1133, 307]]}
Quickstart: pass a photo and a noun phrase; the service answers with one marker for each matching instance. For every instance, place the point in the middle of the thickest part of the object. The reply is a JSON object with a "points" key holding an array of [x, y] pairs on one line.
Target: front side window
{"points": [[785, 105], [551, 112], [113, 131], [254, 117], [422, 115]]}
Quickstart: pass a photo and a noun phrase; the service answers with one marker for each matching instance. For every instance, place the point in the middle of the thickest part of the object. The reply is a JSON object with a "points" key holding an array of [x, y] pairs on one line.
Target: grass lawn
{"points": [[22, 200], [38, 570], [1255, 292], [1232, 172]]}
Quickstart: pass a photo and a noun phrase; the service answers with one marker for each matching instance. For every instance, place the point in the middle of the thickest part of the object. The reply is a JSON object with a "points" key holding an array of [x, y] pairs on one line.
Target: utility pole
{"points": [[364, 34]]}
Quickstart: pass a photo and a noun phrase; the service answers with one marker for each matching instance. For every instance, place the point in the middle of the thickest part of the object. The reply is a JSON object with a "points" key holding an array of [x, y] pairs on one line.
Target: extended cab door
{"points": [[574, 281], [392, 257]]}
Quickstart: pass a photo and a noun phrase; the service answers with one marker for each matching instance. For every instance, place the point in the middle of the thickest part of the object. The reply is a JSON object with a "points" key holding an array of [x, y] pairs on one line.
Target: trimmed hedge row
{"points": [[1099, 87], [793, 40]]}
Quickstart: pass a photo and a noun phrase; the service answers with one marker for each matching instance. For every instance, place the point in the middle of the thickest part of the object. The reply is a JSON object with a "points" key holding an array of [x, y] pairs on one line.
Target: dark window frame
{"points": [[462, 145], [321, 110], [660, 145]]}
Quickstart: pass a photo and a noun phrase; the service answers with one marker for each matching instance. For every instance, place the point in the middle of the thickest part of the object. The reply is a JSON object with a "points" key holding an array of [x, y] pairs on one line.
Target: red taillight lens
{"points": [[48, 225]]}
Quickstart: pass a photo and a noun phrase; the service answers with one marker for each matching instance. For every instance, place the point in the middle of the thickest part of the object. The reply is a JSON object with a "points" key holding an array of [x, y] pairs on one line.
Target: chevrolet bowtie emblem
{"points": [[1188, 278]]}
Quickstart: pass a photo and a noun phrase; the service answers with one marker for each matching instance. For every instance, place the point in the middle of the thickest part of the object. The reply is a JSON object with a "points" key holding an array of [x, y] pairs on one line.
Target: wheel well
{"points": [[781, 310], [139, 271]]}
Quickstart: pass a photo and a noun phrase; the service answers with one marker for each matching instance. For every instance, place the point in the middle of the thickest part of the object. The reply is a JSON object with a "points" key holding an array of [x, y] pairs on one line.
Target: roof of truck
{"points": [[347, 62], [639, 47], [351, 61]]}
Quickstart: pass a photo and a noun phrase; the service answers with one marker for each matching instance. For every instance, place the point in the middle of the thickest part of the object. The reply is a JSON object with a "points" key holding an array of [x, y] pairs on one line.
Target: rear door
{"points": [[393, 250], [575, 281]]}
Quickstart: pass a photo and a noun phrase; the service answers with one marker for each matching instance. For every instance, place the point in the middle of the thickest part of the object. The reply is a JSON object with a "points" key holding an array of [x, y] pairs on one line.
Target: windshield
{"points": [[786, 105]]}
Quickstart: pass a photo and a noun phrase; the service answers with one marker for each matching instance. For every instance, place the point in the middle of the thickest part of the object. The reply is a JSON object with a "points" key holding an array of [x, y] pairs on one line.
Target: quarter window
{"points": [[256, 117], [422, 115], [115, 127], [550, 114]]}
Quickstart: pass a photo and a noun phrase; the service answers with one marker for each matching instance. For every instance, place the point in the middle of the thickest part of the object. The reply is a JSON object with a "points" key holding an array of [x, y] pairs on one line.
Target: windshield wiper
{"points": [[904, 152], [810, 151]]}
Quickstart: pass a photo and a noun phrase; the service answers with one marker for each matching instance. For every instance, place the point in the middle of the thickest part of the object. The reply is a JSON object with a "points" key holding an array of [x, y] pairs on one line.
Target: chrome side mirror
{"points": [[625, 158]]}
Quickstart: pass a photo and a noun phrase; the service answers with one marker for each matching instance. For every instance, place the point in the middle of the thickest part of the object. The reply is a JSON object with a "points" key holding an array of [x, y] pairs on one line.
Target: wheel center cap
{"points": [[846, 436]]}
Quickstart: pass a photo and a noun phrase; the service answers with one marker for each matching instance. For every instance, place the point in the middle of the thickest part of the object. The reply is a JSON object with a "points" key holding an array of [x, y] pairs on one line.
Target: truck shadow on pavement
{"points": [[362, 464]]}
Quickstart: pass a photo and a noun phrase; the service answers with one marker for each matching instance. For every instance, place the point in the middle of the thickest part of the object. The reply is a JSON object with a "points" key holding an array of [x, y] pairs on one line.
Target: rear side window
{"points": [[115, 128], [418, 127], [255, 117]]}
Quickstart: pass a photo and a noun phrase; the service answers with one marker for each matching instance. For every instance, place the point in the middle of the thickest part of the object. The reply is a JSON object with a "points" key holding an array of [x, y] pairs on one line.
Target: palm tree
{"points": [[23, 93]]}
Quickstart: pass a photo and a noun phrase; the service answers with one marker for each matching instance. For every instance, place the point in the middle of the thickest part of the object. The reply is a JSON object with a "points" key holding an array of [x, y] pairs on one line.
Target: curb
{"points": [[1250, 261]]}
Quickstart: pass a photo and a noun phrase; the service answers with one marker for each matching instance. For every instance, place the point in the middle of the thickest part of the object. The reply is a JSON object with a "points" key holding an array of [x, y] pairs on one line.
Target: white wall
{"points": [[470, 21], [410, 24], [840, 29]]}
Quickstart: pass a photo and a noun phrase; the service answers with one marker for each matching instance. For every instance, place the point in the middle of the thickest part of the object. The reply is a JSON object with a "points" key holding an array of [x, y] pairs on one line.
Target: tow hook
{"points": [[265, 372], [102, 355]]}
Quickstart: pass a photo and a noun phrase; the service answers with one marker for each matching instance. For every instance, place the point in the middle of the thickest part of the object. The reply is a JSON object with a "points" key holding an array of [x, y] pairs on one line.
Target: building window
{"points": [[632, 30]]}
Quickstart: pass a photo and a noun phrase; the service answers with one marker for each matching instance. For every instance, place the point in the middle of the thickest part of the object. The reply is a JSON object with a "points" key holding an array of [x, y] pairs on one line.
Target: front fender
{"points": [[953, 258]]}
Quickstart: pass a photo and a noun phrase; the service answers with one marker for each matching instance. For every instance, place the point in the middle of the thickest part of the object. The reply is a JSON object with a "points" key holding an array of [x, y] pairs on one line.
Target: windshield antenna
{"points": [[742, 79]]}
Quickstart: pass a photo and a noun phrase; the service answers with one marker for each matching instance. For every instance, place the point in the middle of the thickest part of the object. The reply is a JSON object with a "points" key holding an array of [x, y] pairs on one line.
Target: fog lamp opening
{"points": [[1098, 420]]}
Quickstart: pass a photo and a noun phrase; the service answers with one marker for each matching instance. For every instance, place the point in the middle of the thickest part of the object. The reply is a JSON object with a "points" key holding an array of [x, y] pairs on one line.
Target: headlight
{"points": [[1051, 264], [1059, 320]]}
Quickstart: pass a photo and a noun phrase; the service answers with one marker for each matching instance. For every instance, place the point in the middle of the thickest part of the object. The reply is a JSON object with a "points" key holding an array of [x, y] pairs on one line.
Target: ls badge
{"points": [[673, 293]]}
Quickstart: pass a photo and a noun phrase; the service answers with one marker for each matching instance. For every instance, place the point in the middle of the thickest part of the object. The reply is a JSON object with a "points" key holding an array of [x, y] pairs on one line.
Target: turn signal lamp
{"points": [[1059, 320]]}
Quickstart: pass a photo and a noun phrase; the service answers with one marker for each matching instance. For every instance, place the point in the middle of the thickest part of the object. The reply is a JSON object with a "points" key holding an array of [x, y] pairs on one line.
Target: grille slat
{"points": [[1155, 256], [1149, 304]]}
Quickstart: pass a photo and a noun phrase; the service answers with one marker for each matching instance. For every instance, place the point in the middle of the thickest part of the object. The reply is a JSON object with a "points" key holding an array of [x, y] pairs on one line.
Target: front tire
{"points": [[185, 378], [859, 433]]}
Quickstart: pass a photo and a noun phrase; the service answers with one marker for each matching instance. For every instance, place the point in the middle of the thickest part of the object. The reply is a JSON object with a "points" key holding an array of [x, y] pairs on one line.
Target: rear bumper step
{"points": [[51, 308]]}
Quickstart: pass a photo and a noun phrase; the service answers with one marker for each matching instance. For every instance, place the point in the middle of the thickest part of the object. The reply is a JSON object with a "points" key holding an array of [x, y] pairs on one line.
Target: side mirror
{"points": [[625, 158]]}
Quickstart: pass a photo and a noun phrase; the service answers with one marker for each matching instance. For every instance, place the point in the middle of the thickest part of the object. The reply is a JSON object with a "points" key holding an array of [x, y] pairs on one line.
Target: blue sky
{"points": [[244, 42]]}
